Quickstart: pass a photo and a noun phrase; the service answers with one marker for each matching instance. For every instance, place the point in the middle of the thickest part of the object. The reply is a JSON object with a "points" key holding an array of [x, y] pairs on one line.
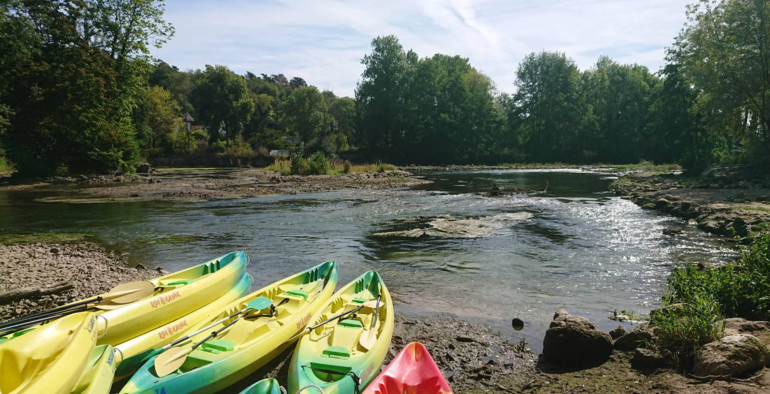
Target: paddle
{"points": [[311, 328], [370, 338], [171, 359], [122, 294]]}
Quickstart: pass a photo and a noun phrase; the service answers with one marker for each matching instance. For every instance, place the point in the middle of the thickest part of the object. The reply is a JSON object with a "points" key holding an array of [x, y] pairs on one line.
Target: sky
{"points": [[323, 42]]}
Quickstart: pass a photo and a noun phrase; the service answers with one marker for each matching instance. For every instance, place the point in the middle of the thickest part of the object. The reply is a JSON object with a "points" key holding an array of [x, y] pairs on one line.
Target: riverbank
{"points": [[725, 202], [204, 184]]}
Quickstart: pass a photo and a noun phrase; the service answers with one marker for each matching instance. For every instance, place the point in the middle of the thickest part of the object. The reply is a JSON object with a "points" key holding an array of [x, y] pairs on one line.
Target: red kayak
{"points": [[411, 372]]}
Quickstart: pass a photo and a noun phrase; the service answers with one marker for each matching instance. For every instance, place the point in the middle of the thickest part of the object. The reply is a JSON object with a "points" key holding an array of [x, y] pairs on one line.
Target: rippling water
{"points": [[442, 248]]}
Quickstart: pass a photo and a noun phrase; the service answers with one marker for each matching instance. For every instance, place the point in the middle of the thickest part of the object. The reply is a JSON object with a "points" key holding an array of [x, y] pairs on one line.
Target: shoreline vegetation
{"points": [[473, 357]]}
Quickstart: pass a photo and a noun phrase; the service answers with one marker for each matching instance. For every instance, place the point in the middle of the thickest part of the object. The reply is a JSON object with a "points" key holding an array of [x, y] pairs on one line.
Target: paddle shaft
{"points": [[311, 328], [46, 314], [377, 309], [20, 326], [180, 340]]}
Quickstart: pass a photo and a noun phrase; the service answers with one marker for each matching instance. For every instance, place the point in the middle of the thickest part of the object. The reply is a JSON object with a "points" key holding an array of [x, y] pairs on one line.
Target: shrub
{"points": [[346, 166], [318, 164], [741, 289], [684, 330], [298, 165]]}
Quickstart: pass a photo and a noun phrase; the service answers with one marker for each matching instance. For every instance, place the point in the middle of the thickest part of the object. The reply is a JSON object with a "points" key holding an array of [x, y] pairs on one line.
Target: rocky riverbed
{"points": [[200, 184], [725, 202]]}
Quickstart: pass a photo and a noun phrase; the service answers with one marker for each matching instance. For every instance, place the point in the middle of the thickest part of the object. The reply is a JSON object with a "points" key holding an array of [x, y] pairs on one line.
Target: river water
{"points": [[442, 248]]}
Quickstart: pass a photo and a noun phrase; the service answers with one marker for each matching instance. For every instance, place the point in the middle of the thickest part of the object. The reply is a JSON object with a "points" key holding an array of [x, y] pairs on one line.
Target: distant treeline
{"points": [[79, 93]]}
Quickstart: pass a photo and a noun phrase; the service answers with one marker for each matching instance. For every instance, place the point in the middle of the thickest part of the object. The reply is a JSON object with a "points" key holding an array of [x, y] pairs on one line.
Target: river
{"points": [[442, 248]]}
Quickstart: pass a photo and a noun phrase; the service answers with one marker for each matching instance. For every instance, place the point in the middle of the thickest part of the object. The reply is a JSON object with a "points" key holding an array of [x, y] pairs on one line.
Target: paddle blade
{"points": [[170, 360], [129, 292], [368, 339]]}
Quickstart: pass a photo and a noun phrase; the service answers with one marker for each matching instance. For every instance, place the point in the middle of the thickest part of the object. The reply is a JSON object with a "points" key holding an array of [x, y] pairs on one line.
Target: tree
{"points": [[302, 114], [380, 94], [619, 98], [724, 51], [222, 102], [158, 118], [546, 100]]}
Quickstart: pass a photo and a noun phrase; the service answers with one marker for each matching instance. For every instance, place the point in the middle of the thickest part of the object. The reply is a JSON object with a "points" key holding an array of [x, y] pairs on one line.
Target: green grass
{"points": [[708, 294], [284, 167], [48, 238]]}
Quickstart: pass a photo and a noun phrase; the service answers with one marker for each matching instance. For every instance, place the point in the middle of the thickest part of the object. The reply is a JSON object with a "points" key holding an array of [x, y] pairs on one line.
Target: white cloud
{"points": [[324, 41]]}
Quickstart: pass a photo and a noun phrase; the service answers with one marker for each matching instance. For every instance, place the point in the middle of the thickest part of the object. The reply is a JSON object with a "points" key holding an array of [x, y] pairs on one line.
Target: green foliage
{"points": [[157, 119], [222, 102], [724, 52], [741, 289], [683, 329], [317, 164], [298, 165], [346, 166]]}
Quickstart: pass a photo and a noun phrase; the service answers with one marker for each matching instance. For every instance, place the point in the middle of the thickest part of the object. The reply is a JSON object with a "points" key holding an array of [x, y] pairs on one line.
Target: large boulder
{"points": [[575, 341], [734, 356], [649, 359]]}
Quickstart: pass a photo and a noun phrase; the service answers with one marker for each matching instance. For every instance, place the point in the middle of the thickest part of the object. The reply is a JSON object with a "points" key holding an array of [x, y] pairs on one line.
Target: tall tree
{"points": [[222, 102], [380, 94], [546, 100], [724, 51]]}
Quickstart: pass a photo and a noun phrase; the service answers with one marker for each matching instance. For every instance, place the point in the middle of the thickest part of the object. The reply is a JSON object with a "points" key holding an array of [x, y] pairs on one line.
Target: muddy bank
{"points": [[200, 184], [722, 203], [79, 270]]}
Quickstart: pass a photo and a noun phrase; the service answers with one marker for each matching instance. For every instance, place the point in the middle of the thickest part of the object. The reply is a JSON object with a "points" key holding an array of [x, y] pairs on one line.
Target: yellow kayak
{"points": [[345, 354], [98, 371], [176, 295], [138, 350], [28, 367], [241, 339]]}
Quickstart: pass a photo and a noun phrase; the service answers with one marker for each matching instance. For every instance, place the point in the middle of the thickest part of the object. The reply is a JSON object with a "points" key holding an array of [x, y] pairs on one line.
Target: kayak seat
{"points": [[322, 369], [298, 293], [208, 353], [336, 352], [359, 300]]}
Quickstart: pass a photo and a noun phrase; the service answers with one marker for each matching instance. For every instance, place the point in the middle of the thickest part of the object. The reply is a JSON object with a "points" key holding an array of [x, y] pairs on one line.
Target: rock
{"points": [[671, 231], [638, 337], [618, 332], [143, 168], [575, 341], [740, 227], [734, 356], [648, 359], [737, 325]]}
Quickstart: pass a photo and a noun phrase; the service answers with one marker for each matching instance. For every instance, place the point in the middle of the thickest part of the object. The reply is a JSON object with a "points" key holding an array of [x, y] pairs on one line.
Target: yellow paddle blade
{"points": [[370, 304], [170, 360], [368, 339], [129, 292]]}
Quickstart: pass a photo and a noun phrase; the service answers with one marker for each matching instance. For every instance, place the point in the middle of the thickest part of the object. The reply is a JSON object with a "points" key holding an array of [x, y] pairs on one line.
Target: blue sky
{"points": [[324, 41]]}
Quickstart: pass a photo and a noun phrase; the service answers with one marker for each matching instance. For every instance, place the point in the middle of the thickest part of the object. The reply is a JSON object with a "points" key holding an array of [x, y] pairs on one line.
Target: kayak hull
{"points": [[247, 344], [264, 386], [412, 371], [334, 356], [176, 295], [28, 367], [138, 350], [98, 372]]}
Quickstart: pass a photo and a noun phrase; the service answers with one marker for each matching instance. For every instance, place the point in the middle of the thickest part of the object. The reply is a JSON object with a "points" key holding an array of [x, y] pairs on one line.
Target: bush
{"points": [[298, 165], [684, 330], [318, 164], [741, 289], [346, 166]]}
